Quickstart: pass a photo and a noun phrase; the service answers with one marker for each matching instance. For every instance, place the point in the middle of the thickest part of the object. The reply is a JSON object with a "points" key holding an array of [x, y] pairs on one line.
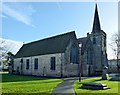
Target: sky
{"points": [[24, 22]]}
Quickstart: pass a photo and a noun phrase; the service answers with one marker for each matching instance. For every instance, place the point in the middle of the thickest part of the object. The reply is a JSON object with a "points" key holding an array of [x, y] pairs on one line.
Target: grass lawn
{"points": [[27, 84], [112, 84]]}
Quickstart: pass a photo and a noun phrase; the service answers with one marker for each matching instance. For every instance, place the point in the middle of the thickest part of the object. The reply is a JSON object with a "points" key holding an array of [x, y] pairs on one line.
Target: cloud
{"points": [[20, 12], [3, 16], [10, 45]]}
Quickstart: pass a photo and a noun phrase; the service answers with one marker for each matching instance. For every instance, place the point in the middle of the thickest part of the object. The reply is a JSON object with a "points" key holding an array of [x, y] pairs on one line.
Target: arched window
{"points": [[73, 54], [53, 63], [89, 56], [36, 63], [27, 64]]}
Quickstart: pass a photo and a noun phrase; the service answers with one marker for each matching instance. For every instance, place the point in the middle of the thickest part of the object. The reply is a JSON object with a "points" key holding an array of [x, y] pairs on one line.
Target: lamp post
{"points": [[79, 70]]}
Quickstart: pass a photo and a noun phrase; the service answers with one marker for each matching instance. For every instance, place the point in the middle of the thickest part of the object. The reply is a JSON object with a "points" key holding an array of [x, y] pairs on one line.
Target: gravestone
{"points": [[95, 86], [115, 77], [104, 74]]}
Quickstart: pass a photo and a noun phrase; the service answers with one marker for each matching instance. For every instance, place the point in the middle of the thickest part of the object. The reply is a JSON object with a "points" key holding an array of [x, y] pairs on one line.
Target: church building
{"points": [[56, 56], [93, 49], [64, 55]]}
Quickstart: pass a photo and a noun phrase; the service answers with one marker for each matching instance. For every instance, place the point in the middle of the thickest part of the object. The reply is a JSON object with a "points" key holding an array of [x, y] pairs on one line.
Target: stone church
{"points": [[93, 49], [64, 55]]}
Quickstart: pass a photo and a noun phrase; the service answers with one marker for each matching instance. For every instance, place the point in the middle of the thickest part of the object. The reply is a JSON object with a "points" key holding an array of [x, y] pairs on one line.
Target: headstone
{"points": [[95, 86], [115, 77], [105, 76]]}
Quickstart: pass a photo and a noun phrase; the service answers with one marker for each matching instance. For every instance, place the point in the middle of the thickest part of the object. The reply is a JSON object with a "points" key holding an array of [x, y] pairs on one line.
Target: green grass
{"points": [[27, 84], [112, 84]]}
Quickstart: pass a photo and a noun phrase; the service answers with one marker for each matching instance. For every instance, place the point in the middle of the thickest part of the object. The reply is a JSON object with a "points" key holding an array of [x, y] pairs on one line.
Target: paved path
{"points": [[66, 87]]}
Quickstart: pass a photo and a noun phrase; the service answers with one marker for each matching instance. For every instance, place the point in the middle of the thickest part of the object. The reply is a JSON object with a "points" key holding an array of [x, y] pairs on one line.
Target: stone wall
{"points": [[43, 65], [96, 44], [62, 69], [70, 69], [99, 50]]}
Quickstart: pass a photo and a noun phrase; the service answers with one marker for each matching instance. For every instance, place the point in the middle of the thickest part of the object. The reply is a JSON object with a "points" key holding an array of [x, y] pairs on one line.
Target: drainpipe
{"points": [[61, 67], [31, 65]]}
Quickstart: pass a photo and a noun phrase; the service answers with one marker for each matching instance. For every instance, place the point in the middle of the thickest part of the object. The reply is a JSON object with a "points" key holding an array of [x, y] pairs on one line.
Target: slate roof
{"points": [[96, 23], [55, 44]]}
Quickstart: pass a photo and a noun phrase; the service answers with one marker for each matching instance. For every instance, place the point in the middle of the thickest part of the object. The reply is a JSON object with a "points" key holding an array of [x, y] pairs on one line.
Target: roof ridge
{"points": [[50, 37], [82, 38]]}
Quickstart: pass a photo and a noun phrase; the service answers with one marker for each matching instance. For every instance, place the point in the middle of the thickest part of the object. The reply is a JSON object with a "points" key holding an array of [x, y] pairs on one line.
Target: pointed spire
{"points": [[96, 23]]}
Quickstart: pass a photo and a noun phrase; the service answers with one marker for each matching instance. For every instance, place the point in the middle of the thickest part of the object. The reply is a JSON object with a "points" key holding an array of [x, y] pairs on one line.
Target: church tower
{"points": [[98, 39], [93, 49]]}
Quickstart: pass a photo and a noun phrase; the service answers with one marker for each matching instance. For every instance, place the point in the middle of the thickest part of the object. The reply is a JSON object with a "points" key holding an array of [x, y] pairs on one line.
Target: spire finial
{"points": [[96, 23]]}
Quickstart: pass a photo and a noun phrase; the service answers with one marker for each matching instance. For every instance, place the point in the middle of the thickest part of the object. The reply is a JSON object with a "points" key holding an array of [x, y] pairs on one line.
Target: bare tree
{"points": [[115, 45], [4, 49], [4, 53]]}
